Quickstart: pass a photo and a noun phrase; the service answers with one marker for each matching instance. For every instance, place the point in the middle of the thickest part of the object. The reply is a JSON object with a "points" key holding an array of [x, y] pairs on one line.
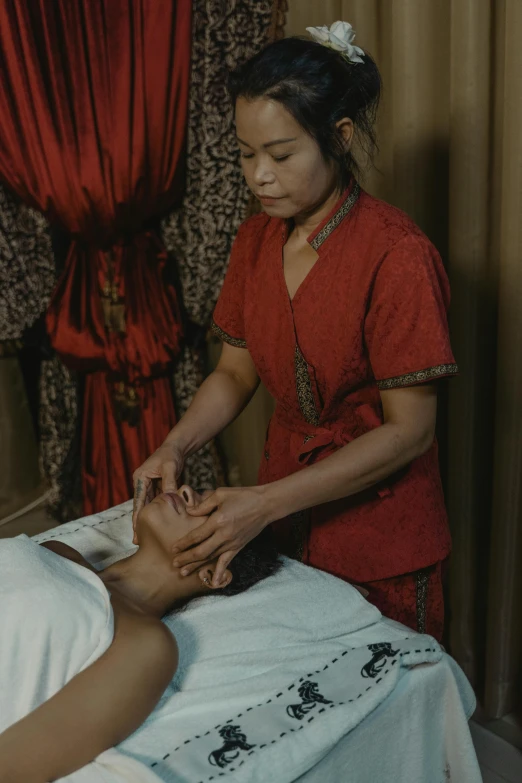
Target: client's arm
{"points": [[97, 709]]}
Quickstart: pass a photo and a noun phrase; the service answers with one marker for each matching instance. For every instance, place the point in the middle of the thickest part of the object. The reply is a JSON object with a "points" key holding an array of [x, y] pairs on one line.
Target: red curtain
{"points": [[93, 107]]}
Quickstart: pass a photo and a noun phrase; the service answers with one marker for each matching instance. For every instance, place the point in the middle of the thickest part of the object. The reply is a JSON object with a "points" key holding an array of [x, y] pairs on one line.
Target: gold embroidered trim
{"points": [[235, 341], [337, 218], [420, 376], [421, 588], [303, 385]]}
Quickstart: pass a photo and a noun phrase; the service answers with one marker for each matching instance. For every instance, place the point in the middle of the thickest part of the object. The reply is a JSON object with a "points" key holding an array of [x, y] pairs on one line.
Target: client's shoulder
{"points": [[143, 636], [143, 647], [64, 550]]}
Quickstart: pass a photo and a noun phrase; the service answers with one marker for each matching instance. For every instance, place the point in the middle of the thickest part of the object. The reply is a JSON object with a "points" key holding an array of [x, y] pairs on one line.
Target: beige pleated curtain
{"points": [[450, 135]]}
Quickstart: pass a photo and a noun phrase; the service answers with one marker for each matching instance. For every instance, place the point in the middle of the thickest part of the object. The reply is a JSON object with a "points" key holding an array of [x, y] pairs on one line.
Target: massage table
{"points": [[298, 679]]}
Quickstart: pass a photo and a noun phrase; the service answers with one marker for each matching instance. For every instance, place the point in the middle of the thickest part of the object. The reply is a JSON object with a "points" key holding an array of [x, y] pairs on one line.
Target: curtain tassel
{"points": [[113, 305], [127, 404]]}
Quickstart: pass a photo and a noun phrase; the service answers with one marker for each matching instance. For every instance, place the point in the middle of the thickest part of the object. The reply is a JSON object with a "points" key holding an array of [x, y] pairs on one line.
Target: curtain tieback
{"points": [[113, 304], [127, 403]]}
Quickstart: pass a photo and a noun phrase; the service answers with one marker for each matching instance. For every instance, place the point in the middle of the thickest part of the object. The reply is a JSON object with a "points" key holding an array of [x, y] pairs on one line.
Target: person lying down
{"points": [[84, 657]]}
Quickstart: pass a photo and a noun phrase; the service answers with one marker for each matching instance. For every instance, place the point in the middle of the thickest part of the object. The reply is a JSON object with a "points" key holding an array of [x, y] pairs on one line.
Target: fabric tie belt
{"points": [[323, 442]]}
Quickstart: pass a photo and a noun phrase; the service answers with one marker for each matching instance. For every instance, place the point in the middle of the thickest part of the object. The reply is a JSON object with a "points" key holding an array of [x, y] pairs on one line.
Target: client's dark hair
{"points": [[319, 87], [255, 562]]}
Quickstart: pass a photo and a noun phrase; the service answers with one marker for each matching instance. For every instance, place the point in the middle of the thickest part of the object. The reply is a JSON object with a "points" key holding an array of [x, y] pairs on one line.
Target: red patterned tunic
{"points": [[370, 316]]}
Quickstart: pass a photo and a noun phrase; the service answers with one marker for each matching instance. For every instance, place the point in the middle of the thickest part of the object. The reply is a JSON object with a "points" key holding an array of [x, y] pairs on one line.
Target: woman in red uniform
{"points": [[337, 302]]}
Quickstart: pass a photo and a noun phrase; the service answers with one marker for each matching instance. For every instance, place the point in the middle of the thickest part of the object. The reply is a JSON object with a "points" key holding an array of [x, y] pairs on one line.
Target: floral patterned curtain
{"points": [[216, 199], [28, 276]]}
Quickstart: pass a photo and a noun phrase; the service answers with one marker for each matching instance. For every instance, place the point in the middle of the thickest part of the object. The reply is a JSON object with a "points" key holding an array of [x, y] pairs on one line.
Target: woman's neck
{"points": [[150, 583], [306, 223]]}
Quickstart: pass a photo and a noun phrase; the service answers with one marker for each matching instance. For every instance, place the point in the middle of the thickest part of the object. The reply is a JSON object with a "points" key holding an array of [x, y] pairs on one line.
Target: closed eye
{"points": [[249, 155]]}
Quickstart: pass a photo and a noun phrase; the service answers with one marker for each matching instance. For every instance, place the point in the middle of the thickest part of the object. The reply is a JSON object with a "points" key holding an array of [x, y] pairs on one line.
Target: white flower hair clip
{"points": [[339, 36]]}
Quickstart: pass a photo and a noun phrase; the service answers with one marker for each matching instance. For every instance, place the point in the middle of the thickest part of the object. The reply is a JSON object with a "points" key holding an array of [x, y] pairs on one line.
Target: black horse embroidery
{"points": [[310, 695], [234, 741], [381, 652]]}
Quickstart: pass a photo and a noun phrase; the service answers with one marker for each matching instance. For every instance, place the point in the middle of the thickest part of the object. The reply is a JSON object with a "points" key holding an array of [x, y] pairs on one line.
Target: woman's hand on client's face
{"points": [[165, 465], [237, 515]]}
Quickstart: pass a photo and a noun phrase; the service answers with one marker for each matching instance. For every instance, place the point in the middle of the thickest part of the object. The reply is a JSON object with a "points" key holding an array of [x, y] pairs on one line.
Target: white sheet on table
{"points": [[113, 767], [236, 653], [393, 741]]}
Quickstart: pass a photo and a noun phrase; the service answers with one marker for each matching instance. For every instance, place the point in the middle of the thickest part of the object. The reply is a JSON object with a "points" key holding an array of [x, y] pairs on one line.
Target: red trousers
{"points": [[415, 599]]}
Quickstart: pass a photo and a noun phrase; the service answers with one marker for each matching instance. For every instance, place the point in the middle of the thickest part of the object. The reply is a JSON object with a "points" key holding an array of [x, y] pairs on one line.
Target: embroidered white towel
{"points": [[302, 649]]}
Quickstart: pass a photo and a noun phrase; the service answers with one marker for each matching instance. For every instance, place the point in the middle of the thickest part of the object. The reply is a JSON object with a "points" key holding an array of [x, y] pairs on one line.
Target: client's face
{"points": [[161, 524], [166, 518]]}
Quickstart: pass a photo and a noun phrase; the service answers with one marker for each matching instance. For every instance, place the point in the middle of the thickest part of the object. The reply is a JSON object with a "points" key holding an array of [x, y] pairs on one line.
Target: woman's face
{"points": [[282, 164], [166, 518]]}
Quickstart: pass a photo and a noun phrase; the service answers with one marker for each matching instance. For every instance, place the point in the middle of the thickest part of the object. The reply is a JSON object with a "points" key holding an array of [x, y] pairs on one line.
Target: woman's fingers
{"points": [[194, 567], [169, 476], [221, 566], [195, 537], [204, 551], [207, 506], [218, 552], [142, 486]]}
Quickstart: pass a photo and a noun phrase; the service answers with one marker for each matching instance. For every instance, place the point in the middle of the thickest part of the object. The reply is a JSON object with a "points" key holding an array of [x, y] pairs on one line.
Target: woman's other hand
{"points": [[236, 516], [165, 465]]}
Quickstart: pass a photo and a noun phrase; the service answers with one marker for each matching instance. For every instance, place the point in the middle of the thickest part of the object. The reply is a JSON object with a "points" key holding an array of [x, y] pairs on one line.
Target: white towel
{"points": [[240, 708], [272, 679], [112, 767], [56, 619]]}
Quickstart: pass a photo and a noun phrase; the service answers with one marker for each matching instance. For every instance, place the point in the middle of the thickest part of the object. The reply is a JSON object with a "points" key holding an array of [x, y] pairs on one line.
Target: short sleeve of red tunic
{"points": [[406, 326], [228, 321]]}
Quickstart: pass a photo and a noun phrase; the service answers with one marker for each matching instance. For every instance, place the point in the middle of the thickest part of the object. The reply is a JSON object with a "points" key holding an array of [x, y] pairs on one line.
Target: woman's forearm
{"points": [[357, 466], [218, 401]]}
